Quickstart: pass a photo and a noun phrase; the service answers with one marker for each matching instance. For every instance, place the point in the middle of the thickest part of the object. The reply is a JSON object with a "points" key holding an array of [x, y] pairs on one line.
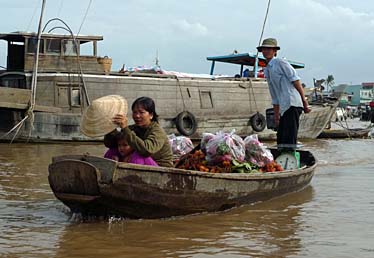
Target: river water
{"points": [[333, 217]]}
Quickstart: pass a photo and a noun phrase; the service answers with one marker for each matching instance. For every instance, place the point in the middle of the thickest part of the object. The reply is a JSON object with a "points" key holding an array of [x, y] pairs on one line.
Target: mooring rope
{"points": [[30, 111], [19, 125], [180, 90]]}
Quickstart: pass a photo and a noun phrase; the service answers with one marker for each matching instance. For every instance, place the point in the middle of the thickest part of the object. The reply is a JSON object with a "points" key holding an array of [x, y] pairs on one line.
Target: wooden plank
{"points": [[48, 109], [37, 108], [14, 98], [15, 95]]}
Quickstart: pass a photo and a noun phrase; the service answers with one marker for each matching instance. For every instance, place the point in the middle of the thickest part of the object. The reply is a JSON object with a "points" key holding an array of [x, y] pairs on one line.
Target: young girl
{"points": [[120, 150], [110, 141], [127, 154]]}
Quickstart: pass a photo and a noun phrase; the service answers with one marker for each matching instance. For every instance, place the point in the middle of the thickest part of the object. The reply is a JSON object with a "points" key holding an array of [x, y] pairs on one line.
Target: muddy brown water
{"points": [[333, 217]]}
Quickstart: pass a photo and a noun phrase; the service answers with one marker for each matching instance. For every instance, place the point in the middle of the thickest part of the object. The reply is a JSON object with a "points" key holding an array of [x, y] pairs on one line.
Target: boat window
{"points": [[53, 46], [86, 49], [16, 56], [75, 97], [69, 48], [32, 43], [206, 99], [13, 81], [62, 93], [68, 95]]}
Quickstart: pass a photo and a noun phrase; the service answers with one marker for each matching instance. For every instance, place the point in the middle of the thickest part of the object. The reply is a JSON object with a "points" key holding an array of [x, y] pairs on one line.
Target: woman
{"points": [[146, 137]]}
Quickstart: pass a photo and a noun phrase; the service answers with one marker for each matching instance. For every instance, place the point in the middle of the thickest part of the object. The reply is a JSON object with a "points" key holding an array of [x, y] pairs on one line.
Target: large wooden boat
{"points": [[96, 186], [71, 75]]}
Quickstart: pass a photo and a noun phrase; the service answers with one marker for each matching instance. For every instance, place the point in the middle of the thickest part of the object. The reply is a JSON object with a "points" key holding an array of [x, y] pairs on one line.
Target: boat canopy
{"points": [[59, 52], [247, 59], [20, 36]]}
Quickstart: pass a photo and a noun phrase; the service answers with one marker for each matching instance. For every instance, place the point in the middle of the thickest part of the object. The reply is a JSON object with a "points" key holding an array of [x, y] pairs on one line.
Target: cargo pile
{"points": [[229, 153]]}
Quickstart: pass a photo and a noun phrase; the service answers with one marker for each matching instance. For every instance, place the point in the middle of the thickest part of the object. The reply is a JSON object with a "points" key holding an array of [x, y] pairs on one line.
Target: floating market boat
{"points": [[70, 75], [96, 186], [346, 133]]}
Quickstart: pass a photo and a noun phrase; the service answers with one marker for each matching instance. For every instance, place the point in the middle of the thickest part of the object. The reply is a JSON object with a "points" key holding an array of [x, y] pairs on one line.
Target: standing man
{"points": [[286, 92]]}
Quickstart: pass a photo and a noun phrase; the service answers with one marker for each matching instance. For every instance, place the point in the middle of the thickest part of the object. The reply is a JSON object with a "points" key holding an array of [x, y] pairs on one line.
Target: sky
{"points": [[331, 37]]}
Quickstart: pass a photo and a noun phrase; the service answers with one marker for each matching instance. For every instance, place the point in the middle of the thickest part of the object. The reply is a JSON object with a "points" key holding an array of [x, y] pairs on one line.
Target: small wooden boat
{"points": [[97, 186], [345, 133]]}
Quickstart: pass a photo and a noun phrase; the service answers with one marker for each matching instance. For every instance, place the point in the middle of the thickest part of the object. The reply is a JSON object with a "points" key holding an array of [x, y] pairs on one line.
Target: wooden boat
{"points": [[96, 186], [68, 80], [345, 133]]}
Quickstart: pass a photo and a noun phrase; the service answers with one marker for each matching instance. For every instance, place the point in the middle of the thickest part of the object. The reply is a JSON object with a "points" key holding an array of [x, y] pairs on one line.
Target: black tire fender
{"points": [[258, 122], [186, 123]]}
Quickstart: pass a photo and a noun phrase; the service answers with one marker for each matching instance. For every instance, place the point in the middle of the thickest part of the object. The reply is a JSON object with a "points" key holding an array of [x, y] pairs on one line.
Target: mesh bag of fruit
{"points": [[180, 145], [256, 152], [225, 147]]}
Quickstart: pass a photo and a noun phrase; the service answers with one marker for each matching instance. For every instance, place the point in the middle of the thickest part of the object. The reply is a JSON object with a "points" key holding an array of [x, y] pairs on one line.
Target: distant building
{"points": [[354, 95], [367, 93], [346, 93]]}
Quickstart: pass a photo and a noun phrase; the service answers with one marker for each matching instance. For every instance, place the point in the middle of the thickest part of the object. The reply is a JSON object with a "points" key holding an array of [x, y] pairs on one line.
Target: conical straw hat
{"points": [[97, 118]]}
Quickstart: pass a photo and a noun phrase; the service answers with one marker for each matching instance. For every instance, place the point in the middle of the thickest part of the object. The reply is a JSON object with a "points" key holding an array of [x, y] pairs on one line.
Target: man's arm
{"points": [[300, 89]]}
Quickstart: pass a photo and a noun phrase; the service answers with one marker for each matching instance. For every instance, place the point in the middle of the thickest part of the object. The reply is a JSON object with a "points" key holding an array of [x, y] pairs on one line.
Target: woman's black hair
{"points": [[148, 104]]}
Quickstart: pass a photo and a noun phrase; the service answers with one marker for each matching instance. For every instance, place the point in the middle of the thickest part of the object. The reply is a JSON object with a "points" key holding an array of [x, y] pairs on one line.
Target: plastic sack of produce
{"points": [[256, 152], [225, 146], [180, 145], [205, 139]]}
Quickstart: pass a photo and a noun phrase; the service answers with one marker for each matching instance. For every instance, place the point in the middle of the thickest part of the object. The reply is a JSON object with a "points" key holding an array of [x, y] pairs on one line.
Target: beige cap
{"points": [[97, 118]]}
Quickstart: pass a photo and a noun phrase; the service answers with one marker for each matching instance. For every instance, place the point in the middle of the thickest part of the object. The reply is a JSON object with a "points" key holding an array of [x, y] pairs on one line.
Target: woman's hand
{"points": [[120, 120]]}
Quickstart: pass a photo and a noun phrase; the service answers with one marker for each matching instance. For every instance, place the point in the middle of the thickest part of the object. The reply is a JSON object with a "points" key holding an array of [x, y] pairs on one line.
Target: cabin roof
{"points": [[20, 36], [247, 59]]}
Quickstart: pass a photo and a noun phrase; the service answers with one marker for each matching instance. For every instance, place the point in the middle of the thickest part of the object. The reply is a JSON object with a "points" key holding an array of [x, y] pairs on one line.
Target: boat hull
{"points": [[345, 133], [136, 191]]}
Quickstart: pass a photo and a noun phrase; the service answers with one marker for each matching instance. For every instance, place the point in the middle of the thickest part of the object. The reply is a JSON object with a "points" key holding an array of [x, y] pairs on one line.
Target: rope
{"points": [[263, 25], [262, 33], [34, 75], [76, 47], [36, 63], [32, 17], [253, 94], [85, 16], [180, 90], [16, 126], [29, 113]]}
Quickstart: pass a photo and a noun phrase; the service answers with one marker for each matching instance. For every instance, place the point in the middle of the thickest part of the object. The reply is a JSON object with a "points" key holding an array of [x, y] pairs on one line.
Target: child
{"points": [[129, 155], [110, 141], [124, 149], [124, 153]]}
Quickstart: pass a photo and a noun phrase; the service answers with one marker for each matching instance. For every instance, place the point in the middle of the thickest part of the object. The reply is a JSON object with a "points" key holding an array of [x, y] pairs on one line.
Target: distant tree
{"points": [[329, 82]]}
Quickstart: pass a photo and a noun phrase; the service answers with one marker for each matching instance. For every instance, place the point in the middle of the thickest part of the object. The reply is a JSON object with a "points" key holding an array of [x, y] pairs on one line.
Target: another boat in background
{"points": [[71, 75]]}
